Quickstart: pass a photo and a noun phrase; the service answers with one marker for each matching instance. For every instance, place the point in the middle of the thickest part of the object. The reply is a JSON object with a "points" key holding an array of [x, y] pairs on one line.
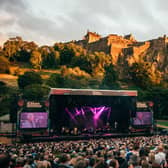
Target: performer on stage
{"points": [[115, 124], [139, 120], [75, 131], [30, 121], [63, 130]]}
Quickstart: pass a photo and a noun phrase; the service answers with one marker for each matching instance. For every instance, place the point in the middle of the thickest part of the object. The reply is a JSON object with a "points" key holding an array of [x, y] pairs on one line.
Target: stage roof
{"points": [[61, 91]]}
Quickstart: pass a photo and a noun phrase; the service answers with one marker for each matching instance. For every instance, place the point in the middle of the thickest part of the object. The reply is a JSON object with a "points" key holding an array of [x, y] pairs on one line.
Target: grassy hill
{"points": [[11, 79], [163, 123]]}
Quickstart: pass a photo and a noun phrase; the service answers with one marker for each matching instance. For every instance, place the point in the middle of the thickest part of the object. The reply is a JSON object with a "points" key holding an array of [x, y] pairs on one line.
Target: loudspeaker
{"points": [[133, 106], [13, 109], [27, 138]]}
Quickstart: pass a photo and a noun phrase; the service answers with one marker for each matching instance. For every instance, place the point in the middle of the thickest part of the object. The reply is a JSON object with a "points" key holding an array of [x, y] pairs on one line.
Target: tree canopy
{"points": [[29, 78], [35, 92]]}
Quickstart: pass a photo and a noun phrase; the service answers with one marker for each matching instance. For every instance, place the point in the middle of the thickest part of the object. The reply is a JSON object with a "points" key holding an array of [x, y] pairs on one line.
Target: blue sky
{"points": [[50, 21]]}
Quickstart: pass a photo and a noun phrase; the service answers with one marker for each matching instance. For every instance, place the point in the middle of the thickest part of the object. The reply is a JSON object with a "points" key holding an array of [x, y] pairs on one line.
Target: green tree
{"points": [[68, 52], [50, 57], [6, 95], [56, 81], [75, 82], [11, 47], [29, 78], [69, 78], [58, 46], [140, 74], [24, 53], [4, 105], [82, 62], [75, 77], [36, 59], [4, 65], [35, 92], [94, 83], [15, 49], [66, 55], [110, 78], [3, 90], [159, 96]]}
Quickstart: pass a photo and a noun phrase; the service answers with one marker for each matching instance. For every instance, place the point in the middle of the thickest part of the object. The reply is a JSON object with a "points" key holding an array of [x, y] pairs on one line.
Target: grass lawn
{"points": [[10, 80], [160, 122]]}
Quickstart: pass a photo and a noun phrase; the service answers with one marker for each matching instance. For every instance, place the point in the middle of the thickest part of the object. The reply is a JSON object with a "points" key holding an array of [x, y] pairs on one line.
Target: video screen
{"points": [[33, 120], [143, 118]]}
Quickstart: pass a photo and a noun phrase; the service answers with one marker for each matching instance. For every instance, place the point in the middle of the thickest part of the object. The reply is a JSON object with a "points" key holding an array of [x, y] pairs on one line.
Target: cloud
{"points": [[19, 20], [49, 21]]}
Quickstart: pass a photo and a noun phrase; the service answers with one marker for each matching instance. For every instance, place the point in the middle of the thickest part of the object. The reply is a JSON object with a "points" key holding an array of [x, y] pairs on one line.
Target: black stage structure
{"points": [[90, 112]]}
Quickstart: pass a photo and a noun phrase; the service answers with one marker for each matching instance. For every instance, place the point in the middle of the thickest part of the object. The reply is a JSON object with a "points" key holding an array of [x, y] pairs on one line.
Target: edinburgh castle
{"points": [[126, 49]]}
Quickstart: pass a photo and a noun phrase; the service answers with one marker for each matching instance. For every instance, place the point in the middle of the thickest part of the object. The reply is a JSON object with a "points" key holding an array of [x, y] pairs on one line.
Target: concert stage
{"points": [[76, 114], [74, 110]]}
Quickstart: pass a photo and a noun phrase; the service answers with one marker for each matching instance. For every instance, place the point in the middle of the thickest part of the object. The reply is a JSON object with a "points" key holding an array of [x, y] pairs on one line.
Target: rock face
{"points": [[125, 49]]}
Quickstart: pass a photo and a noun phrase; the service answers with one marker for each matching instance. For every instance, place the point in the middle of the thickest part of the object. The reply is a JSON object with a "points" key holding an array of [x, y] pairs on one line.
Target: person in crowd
{"points": [[19, 162], [27, 163], [4, 160], [64, 161], [82, 163], [160, 156], [121, 159], [101, 164], [92, 161], [134, 161], [114, 163]]}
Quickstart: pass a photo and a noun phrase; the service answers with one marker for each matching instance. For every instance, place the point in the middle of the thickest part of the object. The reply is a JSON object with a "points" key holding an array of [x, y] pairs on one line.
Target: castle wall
{"points": [[125, 46], [118, 44], [126, 50], [100, 45], [82, 43], [115, 51], [140, 49], [112, 44], [92, 38], [118, 40], [159, 43]]}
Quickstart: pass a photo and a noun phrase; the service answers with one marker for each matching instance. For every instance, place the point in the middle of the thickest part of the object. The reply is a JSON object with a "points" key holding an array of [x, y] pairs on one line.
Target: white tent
{"points": [[5, 117]]}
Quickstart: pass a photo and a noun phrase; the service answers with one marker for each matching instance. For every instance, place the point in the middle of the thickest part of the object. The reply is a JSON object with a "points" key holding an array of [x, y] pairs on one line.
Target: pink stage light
{"points": [[95, 111]]}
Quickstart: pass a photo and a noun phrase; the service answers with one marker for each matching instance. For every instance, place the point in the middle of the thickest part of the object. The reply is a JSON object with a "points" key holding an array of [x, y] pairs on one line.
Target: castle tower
{"points": [[91, 37], [129, 37]]}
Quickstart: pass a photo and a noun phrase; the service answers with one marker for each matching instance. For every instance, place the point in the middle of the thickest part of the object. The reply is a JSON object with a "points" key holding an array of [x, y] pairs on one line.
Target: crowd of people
{"points": [[129, 152]]}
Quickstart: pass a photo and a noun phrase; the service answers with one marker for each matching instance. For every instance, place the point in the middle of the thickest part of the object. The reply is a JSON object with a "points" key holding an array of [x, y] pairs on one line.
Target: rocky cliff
{"points": [[127, 50]]}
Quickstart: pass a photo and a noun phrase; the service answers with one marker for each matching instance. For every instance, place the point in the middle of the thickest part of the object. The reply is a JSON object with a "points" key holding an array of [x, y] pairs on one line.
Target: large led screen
{"points": [[33, 120], [143, 118]]}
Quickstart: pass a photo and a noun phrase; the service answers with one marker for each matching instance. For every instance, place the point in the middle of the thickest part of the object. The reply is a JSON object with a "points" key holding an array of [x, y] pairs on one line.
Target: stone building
{"points": [[126, 47]]}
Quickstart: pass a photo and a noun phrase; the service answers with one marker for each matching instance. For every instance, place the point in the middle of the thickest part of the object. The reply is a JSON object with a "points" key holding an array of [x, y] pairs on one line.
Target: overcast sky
{"points": [[49, 21]]}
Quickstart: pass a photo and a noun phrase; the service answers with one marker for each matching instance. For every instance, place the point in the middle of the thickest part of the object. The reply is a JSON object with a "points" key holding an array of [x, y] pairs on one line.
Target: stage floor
{"points": [[82, 137]]}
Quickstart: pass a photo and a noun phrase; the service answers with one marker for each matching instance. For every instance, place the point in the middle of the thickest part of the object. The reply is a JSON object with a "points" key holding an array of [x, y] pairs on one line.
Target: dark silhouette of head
{"points": [[4, 160]]}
